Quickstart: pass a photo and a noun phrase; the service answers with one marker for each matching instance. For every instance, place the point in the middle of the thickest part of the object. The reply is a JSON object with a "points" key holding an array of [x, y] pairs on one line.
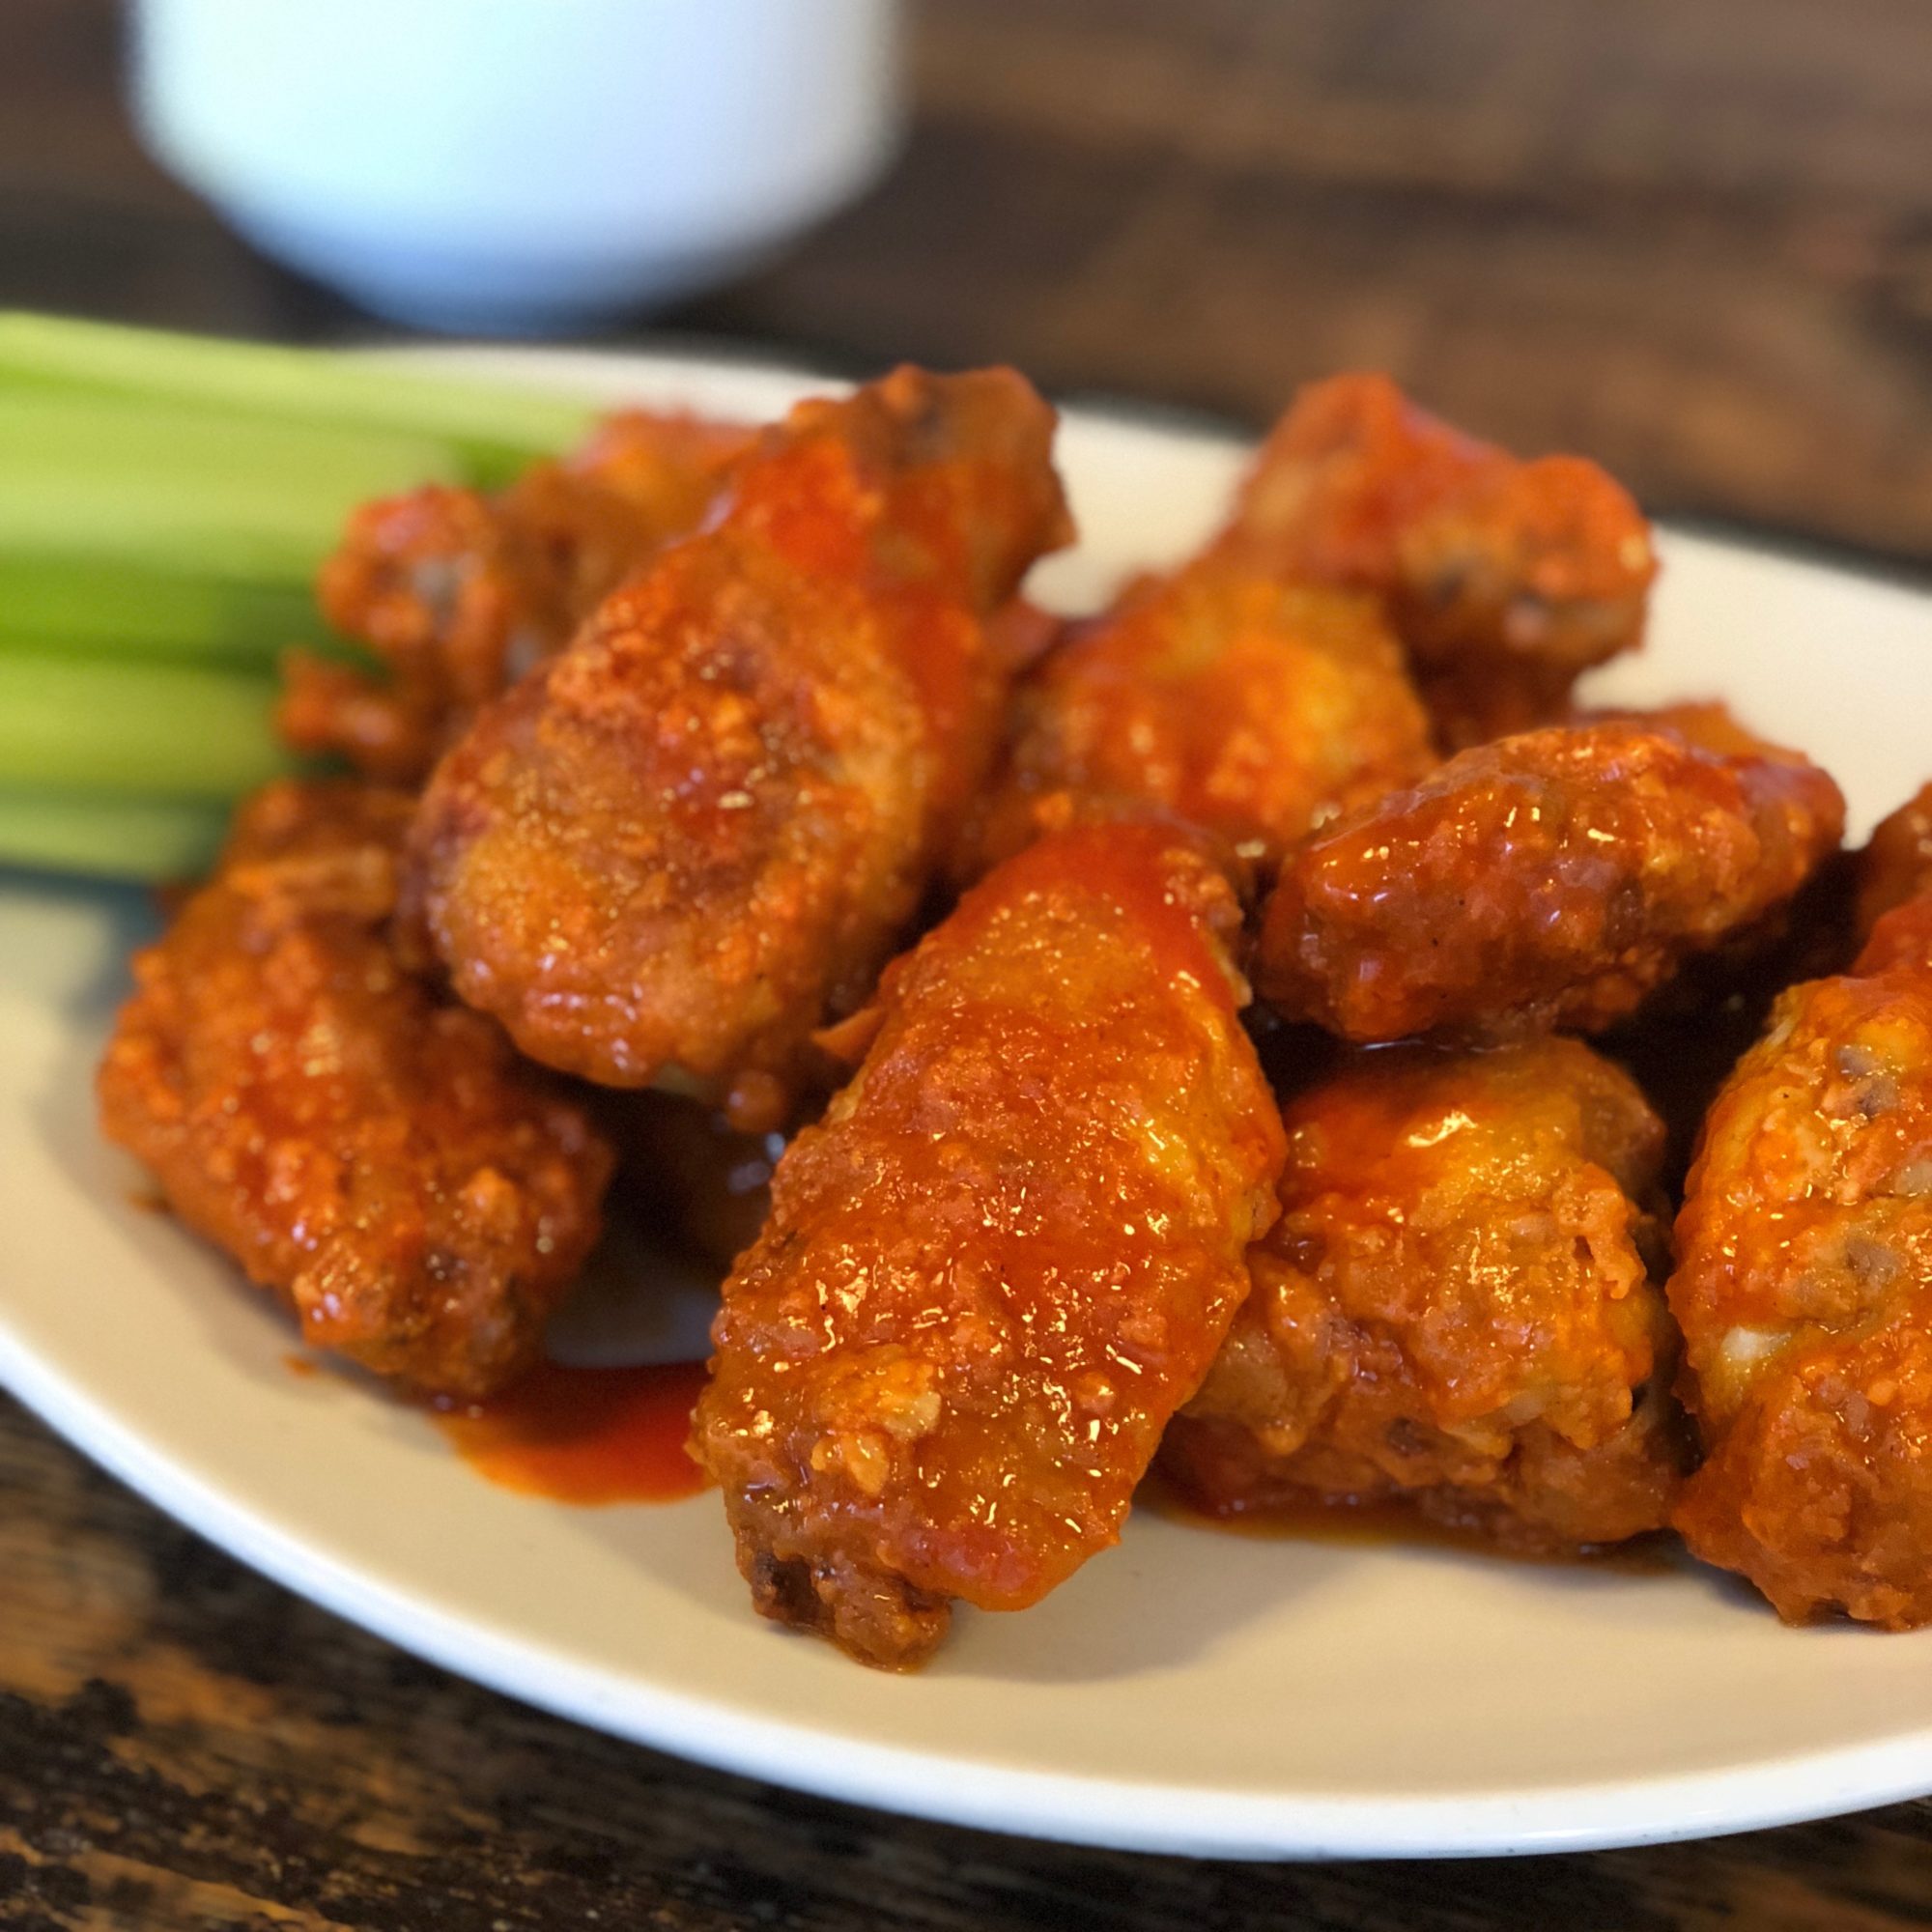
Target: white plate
{"points": [[1191, 1691]]}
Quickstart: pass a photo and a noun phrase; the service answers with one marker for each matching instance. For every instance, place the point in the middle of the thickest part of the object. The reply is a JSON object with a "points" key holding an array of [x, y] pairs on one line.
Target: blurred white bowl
{"points": [[519, 166]]}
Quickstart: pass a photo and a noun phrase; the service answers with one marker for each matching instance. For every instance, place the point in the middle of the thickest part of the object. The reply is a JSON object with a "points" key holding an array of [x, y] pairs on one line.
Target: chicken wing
{"points": [[1505, 580], [459, 594], [382, 1160], [1004, 1258], [1803, 1287], [1896, 863], [1458, 1305], [1551, 878], [1250, 707], [668, 854]]}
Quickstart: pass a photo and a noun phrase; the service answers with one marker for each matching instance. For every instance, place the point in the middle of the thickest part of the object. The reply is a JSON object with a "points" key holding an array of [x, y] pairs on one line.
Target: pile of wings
{"points": [[719, 794]]}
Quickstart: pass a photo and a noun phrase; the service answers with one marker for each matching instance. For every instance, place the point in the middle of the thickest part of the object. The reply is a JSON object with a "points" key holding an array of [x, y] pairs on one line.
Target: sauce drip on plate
{"points": [[585, 1435]]}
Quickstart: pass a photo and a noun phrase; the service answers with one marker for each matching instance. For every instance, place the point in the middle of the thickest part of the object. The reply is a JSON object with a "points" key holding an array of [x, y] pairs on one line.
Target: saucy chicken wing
{"points": [[1458, 1306], [678, 846], [1506, 579], [1896, 863], [1250, 707], [1803, 1288], [1548, 879], [418, 1196], [1008, 1254], [459, 593]]}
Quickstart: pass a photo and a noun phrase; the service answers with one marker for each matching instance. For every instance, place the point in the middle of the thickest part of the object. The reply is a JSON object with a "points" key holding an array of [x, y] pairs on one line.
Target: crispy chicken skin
{"points": [[382, 1160], [1547, 879], [1248, 706], [1008, 1254], [459, 593], [1457, 1306], [1804, 1284], [668, 854], [1506, 579], [1896, 863]]}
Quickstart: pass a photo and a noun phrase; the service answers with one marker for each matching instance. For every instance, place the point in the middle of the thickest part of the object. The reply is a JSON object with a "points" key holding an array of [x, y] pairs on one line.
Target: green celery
{"points": [[495, 428], [113, 606], [133, 729], [204, 494], [142, 840]]}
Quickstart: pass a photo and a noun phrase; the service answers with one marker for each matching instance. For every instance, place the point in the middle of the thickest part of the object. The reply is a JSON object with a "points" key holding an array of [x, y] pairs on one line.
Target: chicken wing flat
{"points": [[1458, 1307], [459, 593], [670, 853], [1250, 707], [1506, 579], [1547, 879], [1008, 1254], [417, 1194], [1803, 1287], [1896, 863]]}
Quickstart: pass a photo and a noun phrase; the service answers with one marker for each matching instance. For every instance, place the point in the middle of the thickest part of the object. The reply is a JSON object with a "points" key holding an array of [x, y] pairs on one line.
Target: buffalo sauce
{"points": [[585, 1435]]}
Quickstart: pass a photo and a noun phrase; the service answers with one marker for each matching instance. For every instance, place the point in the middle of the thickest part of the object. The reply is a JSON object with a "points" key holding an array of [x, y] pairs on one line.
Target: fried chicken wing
{"points": [[1802, 1286], [1253, 708], [1458, 1305], [1506, 579], [459, 593], [1004, 1258], [1896, 863], [1550, 879], [381, 1159], [677, 847]]}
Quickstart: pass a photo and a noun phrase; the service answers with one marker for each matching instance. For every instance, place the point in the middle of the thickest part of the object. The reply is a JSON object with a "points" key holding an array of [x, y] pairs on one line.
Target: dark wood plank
{"points": [[183, 1744], [1692, 239]]}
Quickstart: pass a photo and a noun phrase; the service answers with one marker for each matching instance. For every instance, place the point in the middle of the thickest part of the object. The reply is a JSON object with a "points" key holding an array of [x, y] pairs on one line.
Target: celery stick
{"points": [[133, 729], [213, 495], [118, 607], [497, 428], [109, 838]]}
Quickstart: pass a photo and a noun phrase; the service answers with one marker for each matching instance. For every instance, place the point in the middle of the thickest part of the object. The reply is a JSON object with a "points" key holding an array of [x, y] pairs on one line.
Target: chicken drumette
{"points": [[1252, 707], [1803, 1288], [1551, 878], [1458, 1306], [1506, 579], [379, 1157], [680, 845]]}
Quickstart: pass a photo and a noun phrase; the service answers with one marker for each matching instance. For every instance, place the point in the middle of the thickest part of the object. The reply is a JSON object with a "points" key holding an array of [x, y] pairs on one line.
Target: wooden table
{"points": [[1691, 237]]}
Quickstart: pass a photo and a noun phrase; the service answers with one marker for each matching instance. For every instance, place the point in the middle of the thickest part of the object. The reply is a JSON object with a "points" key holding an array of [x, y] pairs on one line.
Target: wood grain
{"points": [[1691, 237]]}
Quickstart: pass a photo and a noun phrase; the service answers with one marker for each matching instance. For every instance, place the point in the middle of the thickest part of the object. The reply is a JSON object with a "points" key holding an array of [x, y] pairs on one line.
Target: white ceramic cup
{"points": [[519, 165]]}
